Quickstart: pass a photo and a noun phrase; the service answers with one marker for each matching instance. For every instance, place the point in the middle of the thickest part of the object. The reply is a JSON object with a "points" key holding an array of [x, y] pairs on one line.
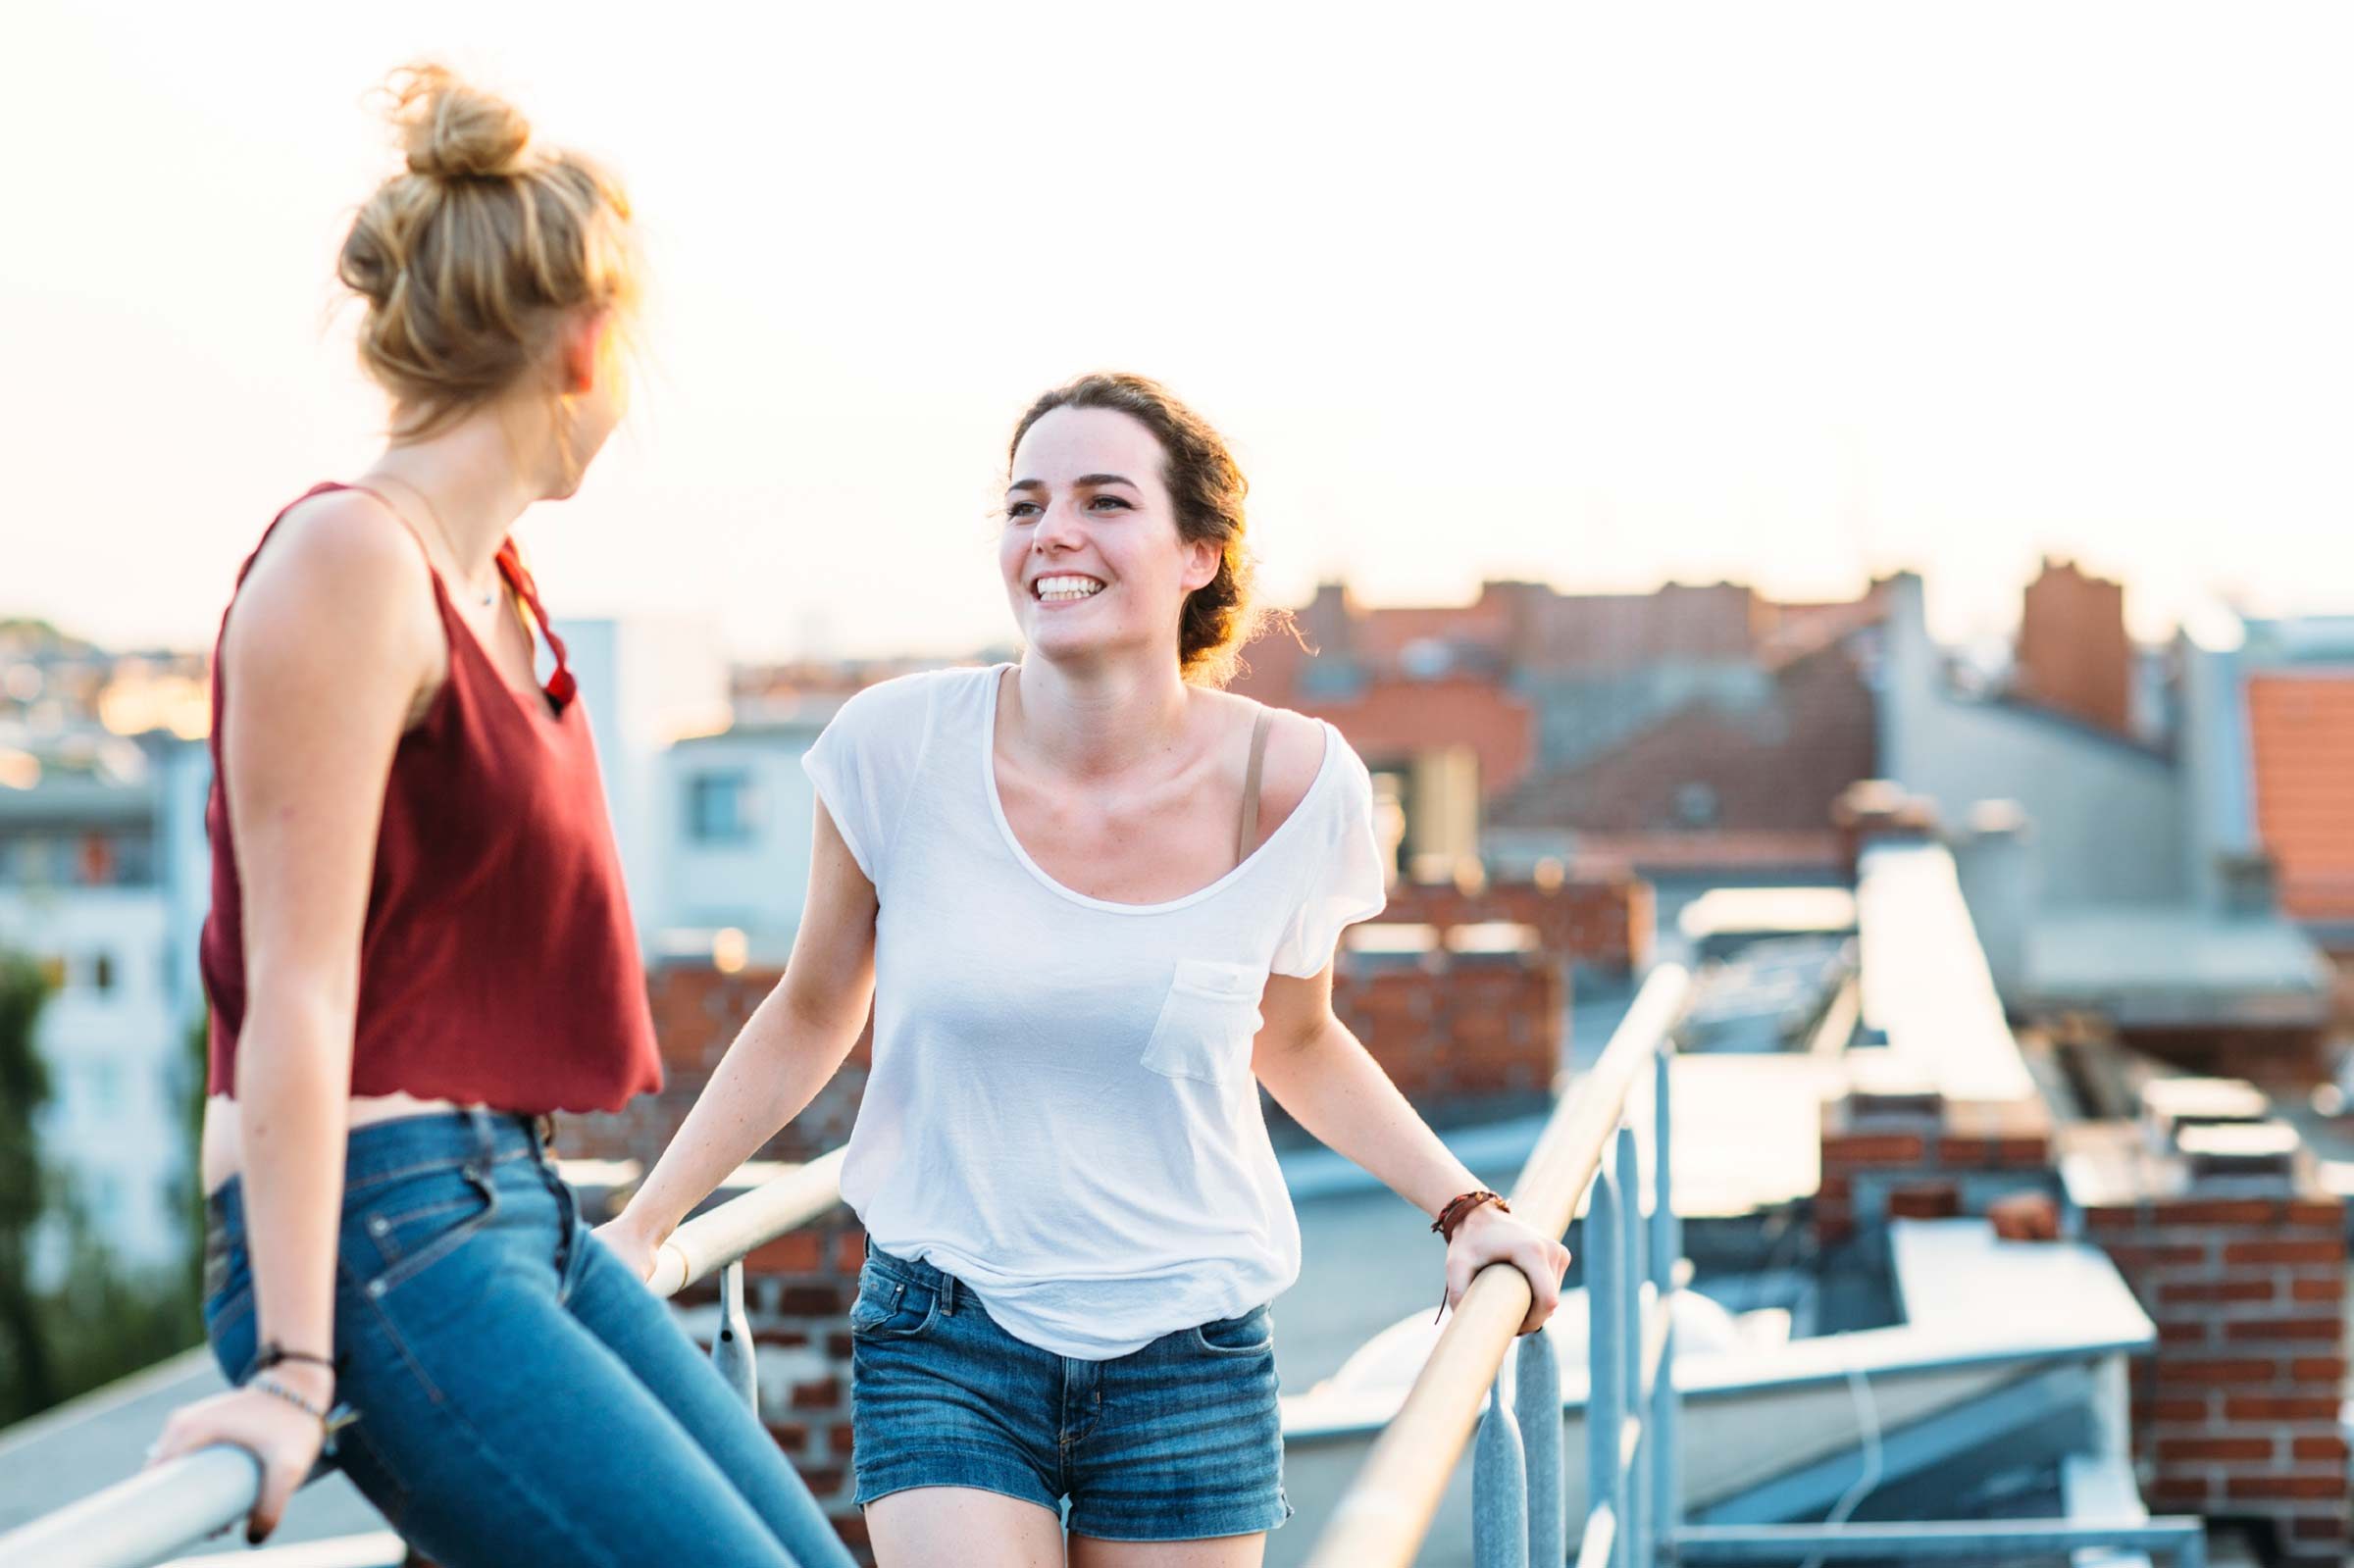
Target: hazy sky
{"points": [[1780, 293]]}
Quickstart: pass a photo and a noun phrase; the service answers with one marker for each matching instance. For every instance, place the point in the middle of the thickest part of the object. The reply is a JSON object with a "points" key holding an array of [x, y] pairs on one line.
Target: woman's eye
{"points": [[1108, 500], [1021, 511]]}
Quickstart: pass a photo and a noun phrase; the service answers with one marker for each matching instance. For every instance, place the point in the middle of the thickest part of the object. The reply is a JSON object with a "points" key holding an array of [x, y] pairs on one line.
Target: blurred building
{"points": [[1693, 738], [103, 881]]}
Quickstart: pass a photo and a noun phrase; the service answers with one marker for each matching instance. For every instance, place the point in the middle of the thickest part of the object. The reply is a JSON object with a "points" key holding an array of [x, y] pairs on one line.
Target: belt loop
{"points": [[486, 1142], [948, 1293]]}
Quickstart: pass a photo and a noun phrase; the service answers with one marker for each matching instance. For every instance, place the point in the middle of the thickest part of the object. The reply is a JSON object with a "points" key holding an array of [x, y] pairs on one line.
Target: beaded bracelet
{"points": [[278, 1390]]}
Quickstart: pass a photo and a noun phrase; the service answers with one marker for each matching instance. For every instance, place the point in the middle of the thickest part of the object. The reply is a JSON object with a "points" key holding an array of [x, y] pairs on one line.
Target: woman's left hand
{"points": [[1488, 1234]]}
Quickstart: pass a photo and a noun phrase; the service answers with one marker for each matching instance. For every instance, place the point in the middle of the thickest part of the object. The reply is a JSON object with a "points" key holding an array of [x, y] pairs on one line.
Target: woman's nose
{"points": [[1061, 528]]}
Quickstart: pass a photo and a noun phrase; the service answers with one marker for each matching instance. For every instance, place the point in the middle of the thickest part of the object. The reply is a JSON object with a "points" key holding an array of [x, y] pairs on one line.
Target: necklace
{"points": [[442, 530]]}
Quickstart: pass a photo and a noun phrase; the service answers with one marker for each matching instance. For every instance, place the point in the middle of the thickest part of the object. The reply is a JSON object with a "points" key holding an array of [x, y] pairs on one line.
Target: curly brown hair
{"points": [[1206, 488]]}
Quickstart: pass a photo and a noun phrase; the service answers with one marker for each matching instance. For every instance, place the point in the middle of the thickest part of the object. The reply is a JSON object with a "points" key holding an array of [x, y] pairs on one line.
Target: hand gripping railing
{"points": [[158, 1513], [1518, 1504], [1634, 1516]]}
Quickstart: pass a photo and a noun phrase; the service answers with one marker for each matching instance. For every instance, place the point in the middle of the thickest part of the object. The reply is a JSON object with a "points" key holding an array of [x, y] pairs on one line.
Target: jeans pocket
{"points": [[1207, 1022], [419, 1223]]}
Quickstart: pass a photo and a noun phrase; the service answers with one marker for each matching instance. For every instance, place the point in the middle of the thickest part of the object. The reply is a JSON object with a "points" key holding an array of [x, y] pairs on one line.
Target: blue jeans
{"points": [[522, 1398], [1180, 1441]]}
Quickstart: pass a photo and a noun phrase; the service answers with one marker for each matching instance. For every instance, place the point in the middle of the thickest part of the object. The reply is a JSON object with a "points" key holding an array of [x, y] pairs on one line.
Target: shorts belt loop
{"points": [[948, 1284]]}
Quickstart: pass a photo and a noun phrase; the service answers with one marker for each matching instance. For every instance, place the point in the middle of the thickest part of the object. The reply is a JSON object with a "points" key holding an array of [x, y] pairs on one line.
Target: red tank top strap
{"points": [[561, 686]]}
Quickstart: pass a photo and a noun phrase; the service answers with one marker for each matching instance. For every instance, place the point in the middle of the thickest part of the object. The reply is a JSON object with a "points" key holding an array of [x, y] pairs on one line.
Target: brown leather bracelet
{"points": [[1458, 1208], [1451, 1216]]}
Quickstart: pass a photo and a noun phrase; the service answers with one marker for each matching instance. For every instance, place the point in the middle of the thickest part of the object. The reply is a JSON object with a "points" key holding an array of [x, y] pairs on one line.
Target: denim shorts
{"points": [[1180, 1441]]}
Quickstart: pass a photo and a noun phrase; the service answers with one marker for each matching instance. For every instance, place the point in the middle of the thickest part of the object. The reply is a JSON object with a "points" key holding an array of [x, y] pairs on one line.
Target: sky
{"points": [[1789, 294]]}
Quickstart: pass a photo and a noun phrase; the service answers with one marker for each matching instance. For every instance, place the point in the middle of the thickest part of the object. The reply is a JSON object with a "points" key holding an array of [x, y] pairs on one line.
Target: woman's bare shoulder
{"points": [[1295, 757]]}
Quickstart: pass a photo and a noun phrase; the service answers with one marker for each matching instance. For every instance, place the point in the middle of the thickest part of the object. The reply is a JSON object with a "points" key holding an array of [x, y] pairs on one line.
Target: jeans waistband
{"points": [[952, 1291], [406, 1146]]}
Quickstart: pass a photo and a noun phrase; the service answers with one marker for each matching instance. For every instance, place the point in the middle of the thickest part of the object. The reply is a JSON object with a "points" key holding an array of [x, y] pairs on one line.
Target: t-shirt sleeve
{"points": [[1347, 879], [864, 765]]}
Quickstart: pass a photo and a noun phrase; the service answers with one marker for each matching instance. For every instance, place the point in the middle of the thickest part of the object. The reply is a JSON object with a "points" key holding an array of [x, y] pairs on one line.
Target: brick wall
{"points": [[1606, 924], [697, 1014], [1458, 1030], [1909, 1155], [2240, 1262]]}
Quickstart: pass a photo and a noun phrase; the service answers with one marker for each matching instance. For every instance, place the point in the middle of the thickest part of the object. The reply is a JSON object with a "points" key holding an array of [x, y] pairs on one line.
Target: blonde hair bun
{"points": [[469, 257], [453, 131]]}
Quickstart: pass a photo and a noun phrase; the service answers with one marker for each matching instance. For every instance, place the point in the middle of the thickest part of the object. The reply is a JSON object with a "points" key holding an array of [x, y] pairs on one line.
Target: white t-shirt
{"points": [[1061, 1111]]}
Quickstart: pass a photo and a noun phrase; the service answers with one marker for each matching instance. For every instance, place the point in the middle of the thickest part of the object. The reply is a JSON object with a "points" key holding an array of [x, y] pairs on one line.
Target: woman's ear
{"points": [[1201, 566], [581, 350]]}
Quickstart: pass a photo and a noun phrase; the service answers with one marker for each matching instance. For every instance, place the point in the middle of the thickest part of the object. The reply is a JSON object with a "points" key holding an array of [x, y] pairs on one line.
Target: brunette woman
{"points": [[1094, 901]]}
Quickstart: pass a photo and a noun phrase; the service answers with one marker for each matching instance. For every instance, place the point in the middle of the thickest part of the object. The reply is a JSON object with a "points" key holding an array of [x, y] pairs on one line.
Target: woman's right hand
{"points": [[285, 1439], [628, 1242]]}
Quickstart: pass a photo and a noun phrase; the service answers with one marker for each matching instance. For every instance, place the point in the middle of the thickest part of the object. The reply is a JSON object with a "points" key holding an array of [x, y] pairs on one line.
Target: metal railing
{"points": [[1517, 1509], [147, 1518], [1593, 1149]]}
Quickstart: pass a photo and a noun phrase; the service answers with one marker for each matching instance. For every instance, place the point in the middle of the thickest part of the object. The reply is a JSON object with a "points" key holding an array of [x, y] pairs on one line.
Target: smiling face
{"points": [[1092, 556]]}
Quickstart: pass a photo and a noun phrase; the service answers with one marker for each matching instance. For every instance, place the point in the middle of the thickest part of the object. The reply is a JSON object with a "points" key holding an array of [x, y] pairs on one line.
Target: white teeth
{"points": [[1067, 590]]}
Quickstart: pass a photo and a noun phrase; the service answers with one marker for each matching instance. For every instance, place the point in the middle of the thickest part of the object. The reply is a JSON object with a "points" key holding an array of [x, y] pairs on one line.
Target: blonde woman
{"points": [[419, 943], [1094, 901]]}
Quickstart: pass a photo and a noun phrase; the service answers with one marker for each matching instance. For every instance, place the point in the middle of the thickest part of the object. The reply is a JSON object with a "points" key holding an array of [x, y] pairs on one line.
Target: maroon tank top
{"points": [[498, 963]]}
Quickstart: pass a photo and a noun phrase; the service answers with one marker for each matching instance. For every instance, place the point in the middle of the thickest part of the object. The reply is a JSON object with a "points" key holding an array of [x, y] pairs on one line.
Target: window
{"points": [[719, 808]]}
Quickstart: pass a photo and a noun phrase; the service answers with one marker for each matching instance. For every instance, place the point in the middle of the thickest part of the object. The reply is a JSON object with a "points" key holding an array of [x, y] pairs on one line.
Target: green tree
{"points": [[31, 1382]]}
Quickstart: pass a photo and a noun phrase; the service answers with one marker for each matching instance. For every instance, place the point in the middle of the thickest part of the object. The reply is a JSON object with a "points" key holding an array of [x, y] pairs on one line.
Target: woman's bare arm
{"points": [[791, 1046], [326, 647], [1327, 1082]]}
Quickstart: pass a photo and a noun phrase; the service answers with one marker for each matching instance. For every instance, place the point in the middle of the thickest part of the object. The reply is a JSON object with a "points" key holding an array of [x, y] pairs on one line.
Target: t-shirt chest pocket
{"points": [[1207, 1022]]}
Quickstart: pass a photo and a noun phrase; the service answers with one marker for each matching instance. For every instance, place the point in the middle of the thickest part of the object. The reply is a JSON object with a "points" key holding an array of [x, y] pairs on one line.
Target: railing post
{"points": [[1626, 1155], [1498, 1488], [732, 1345], [1666, 1251], [1606, 1353], [1537, 1400]]}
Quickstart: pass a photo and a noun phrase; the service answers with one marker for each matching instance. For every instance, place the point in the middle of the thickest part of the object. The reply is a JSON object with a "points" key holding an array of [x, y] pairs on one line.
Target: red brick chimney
{"points": [[2073, 655]]}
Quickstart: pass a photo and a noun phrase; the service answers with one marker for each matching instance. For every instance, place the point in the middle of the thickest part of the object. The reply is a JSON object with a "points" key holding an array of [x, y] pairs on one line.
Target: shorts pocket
{"points": [[1207, 1022], [890, 1308], [1252, 1334]]}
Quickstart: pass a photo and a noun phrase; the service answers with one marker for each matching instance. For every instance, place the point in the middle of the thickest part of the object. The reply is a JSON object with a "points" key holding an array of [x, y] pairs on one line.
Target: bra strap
{"points": [[1250, 774]]}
